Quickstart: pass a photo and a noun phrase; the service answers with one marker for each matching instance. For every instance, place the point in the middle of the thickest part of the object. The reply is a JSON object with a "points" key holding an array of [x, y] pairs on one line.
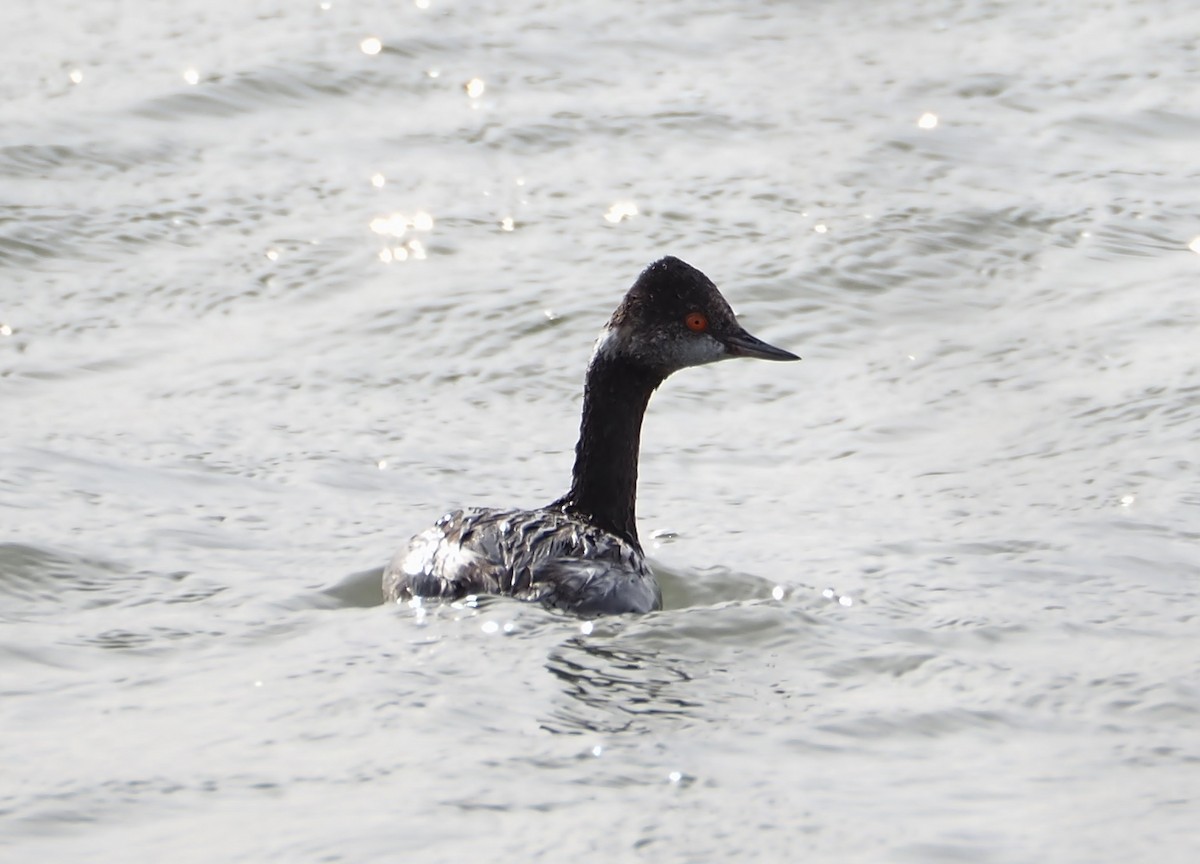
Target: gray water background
{"points": [[931, 593]]}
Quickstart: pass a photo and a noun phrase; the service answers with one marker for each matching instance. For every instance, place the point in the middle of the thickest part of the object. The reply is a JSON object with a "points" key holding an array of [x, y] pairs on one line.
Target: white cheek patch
{"points": [[676, 353], [698, 350]]}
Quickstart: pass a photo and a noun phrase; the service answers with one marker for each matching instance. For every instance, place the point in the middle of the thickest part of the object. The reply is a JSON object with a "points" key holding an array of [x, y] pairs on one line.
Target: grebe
{"points": [[581, 552]]}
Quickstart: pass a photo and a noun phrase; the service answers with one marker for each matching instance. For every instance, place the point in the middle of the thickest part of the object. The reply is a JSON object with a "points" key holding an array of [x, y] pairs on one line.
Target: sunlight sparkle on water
{"points": [[475, 87], [620, 211], [76, 76], [421, 4], [412, 250], [928, 120], [507, 223], [191, 76], [1195, 244], [397, 224], [370, 46], [378, 181], [841, 599]]}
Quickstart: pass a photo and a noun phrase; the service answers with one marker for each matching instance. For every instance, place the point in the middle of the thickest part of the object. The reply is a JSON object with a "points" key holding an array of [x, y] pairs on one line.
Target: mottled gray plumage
{"points": [[544, 555], [582, 552]]}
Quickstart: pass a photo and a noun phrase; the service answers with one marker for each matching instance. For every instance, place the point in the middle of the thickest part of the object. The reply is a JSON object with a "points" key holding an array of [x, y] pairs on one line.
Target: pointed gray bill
{"points": [[742, 344]]}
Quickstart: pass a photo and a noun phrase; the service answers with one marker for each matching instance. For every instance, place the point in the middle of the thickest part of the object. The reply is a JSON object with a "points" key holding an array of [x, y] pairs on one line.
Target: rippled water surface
{"points": [[279, 283]]}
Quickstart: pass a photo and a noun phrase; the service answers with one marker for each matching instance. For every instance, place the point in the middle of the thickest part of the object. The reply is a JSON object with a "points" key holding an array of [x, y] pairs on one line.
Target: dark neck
{"points": [[604, 482]]}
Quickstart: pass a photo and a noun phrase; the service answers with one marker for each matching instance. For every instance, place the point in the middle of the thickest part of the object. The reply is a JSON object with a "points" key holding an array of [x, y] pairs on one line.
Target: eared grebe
{"points": [[582, 552]]}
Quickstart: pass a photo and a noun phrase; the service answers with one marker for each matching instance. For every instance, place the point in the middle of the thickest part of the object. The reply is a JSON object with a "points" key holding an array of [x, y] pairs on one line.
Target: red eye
{"points": [[696, 322]]}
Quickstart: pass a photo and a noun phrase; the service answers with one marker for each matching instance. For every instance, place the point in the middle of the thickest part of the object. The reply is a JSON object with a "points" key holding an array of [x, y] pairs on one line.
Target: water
{"points": [[930, 593]]}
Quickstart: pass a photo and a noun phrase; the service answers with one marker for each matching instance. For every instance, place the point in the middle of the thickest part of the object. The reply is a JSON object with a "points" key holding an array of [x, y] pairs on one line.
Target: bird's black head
{"points": [[674, 317]]}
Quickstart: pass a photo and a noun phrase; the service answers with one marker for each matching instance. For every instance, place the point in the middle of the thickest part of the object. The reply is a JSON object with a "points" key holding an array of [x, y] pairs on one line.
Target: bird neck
{"points": [[604, 480]]}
